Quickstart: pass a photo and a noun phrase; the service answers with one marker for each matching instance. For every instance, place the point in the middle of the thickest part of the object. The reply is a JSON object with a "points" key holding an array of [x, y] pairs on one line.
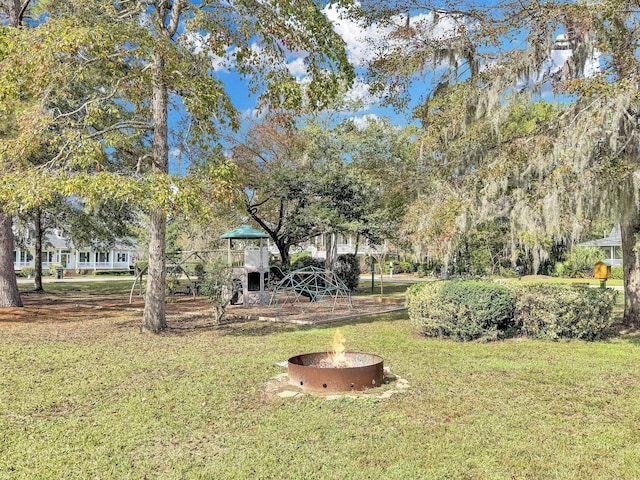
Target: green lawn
{"points": [[97, 400]]}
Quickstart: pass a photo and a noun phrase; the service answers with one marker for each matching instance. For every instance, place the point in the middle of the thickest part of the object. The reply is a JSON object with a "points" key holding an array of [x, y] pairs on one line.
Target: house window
{"points": [[121, 257], [22, 256], [47, 257], [84, 257], [102, 257], [15, 256]]}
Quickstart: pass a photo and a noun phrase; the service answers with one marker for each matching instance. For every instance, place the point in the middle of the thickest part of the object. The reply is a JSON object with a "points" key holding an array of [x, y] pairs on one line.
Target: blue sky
{"points": [[359, 48], [358, 45]]}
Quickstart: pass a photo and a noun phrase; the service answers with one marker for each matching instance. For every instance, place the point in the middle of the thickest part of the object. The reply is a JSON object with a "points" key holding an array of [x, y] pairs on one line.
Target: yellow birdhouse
{"points": [[601, 271]]}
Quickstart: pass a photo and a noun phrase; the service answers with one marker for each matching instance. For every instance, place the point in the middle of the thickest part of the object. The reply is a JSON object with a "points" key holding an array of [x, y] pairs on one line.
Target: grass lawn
{"points": [[96, 399]]}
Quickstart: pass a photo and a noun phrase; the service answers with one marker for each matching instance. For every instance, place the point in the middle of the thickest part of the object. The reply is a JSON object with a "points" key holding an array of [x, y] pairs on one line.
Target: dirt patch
{"points": [[70, 308]]}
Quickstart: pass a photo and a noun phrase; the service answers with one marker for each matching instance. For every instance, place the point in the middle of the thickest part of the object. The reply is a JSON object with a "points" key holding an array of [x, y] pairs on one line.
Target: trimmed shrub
{"points": [[113, 272], [461, 309], [304, 259], [470, 309], [553, 311], [400, 267]]}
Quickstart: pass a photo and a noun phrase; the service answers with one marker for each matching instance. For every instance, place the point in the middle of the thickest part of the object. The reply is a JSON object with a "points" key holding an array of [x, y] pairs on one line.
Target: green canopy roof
{"points": [[245, 232]]}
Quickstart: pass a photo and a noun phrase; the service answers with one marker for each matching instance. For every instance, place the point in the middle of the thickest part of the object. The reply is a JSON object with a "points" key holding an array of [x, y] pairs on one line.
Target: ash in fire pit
{"points": [[336, 371]]}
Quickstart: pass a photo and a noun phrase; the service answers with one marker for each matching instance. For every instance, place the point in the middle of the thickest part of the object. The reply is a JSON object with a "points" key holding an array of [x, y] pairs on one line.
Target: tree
{"points": [[98, 226], [9, 293], [387, 160], [581, 163], [167, 48], [297, 184]]}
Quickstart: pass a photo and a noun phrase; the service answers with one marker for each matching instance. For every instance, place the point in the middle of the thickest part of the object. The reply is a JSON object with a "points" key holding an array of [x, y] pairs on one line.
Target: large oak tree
{"points": [[579, 165]]}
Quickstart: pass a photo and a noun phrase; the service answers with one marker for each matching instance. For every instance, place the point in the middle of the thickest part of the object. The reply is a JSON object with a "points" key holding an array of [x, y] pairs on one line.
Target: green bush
{"points": [[113, 272], [400, 267], [51, 271], [429, 269], [617, 273], [469, 309], [219, 287], [580, 262], [347, 268], [508, 272], [304, 259], [461, 309], [27, 271], [553, 311]]}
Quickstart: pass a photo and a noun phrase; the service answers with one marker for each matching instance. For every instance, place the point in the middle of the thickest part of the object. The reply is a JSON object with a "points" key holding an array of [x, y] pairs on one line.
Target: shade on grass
{"points": [[98, 400]]}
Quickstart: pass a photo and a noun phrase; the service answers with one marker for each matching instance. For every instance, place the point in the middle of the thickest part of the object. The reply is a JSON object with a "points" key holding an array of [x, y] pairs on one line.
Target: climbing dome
{"points": [[311, 284]]}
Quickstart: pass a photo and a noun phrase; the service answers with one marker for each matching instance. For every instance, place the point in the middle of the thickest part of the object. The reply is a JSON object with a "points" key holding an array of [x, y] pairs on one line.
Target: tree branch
{"points": [[125, 124], [174, 21], [23, 9], [89, 102]]}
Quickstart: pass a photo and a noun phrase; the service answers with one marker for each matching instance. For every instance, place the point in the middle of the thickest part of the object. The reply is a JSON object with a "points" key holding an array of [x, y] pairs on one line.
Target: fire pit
{"points": [[358, 371], [336, 371]]}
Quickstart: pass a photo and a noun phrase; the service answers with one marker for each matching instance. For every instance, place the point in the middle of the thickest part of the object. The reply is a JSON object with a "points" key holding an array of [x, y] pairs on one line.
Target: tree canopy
{"points": [[474, 61], [105, 77]]}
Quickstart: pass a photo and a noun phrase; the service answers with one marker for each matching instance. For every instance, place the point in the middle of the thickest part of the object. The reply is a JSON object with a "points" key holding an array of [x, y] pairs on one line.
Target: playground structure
{"points": [[311, 285], [247, 257], [248, 260]]}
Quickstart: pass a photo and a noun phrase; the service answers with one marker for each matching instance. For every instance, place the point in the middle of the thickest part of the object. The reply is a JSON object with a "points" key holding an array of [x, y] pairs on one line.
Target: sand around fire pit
{"points": [[278, 388]]}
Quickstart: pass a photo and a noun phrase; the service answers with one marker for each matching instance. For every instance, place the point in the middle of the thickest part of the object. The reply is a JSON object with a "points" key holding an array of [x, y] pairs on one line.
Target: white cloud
{"points": [[359, 92], [297, 67], [362, 122], [356, 37], [198, 44]]}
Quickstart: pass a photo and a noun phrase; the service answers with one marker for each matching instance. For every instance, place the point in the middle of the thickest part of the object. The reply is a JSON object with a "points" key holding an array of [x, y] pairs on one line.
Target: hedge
{"points": [[553, 311], [473, 309], [460, 309]]}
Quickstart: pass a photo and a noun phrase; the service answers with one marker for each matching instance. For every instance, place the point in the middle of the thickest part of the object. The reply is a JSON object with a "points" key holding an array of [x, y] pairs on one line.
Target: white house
{"points": [[58, 250], [611, 245]]}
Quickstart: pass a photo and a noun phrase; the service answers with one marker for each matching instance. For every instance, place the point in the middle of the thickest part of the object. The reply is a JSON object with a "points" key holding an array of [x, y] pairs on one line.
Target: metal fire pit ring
{"points": [[307, 372]]}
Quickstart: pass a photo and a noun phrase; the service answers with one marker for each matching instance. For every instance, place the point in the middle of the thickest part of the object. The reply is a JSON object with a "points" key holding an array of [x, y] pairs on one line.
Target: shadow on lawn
{"points": [[199, 324], [257, 328]]}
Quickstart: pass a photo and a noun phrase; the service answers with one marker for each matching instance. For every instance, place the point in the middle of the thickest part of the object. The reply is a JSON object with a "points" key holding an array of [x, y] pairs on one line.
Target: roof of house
{"points": [[245, 232], [613, 240], [57, 241]]}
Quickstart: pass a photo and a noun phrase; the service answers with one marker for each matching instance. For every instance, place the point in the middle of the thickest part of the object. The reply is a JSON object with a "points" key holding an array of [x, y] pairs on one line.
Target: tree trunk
{"points": [[154, 316], [285, 259], [15, 10], [331, 249], [39, 233], [630, 229], [9, 293]]}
